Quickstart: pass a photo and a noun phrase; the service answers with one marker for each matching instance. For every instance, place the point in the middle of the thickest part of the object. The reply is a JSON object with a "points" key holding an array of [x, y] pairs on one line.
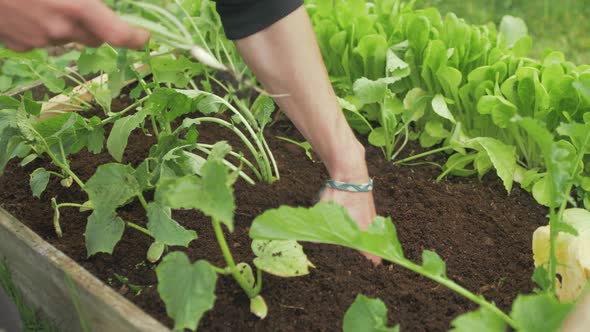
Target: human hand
{"points": [[28, 24], [360, 206]]}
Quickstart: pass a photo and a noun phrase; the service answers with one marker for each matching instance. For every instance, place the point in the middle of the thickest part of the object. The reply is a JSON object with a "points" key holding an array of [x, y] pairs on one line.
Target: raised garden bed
{"points": [[482, 233]]}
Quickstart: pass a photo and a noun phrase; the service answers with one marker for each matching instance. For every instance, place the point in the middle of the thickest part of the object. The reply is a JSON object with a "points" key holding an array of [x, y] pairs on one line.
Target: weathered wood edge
{"points": [[62, 289]]}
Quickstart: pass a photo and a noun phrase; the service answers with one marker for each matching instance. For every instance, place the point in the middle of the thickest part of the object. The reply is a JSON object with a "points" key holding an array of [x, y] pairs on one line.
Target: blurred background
{"points": [[562, 25]]}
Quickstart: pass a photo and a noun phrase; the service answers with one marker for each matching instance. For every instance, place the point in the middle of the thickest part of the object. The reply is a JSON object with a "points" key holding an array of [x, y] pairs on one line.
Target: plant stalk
{"points": [[231, 264]]}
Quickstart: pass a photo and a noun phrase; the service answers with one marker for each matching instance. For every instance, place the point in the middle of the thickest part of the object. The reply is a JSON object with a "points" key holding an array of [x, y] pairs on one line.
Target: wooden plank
{"points": [[65, 291], [579, 319]]}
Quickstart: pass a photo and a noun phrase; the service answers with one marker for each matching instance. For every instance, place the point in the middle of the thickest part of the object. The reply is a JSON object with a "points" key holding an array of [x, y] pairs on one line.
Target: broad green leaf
{"points": [[436, 129], [111, 186], [418, 33], [480, 320], [96, 60], [539, 313], [501, 110], [281, 258], [9, 142], [103, 231], [262, 109], [188, 290], [541, 191], [377, 137], [541, 277], [367, 315], [502, 156], [39, 181], [368, 91], [53, 83], [439, 105], [165, 229], [395, 66], [212, 193], [5, 83], [95, 136], [30, 105], [119, 137], [373, 51], [175, 70], [513, 29], [327, 223], [433, 264], [7, 102]]}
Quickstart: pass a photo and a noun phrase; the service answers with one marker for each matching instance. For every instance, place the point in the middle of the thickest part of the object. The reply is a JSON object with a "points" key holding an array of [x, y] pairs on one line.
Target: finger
{"points": [[376, 260], [16, 46], [62, 30], [81, 36], [108, 27]]}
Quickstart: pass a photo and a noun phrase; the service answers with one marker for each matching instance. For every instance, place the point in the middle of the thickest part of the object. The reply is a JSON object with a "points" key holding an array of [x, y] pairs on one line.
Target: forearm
{"points": [[286, 59]]}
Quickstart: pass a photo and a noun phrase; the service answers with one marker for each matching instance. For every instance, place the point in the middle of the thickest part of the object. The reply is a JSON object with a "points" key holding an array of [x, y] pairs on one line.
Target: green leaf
{"points": [[481, 320], [99, 59], [5, 83], [176, 71], [119, 137], [439, 105], [103, 232], [7, 102], [53, 83], [212, 193], [502, 156], [541, 191], [327, 223], [111, 186], [367, 315], [513, 29], [368, 91], [373, 51], [433, 264], [281, 258], [39, 181], [165, 229], [541, 277], [262, 109], [95, 136], [396, 67], [188, 290], [539, 313], [377, 137], [30, 105]]}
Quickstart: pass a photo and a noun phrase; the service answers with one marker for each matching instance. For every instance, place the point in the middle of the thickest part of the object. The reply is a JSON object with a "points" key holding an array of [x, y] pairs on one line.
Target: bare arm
{"points": [[28, 24], [285, 57]]}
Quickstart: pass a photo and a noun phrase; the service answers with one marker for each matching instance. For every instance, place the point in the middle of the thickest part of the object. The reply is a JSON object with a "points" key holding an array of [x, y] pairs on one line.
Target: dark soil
{"points": [[483, 234]]}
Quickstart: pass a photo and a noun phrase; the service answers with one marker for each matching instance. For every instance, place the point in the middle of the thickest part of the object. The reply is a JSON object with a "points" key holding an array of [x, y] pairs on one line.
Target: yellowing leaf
{"points": [[572, 252]]}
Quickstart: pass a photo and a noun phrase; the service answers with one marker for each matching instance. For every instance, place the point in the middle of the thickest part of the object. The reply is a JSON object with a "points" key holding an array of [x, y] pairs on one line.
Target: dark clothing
{"points": [[242, 18]]}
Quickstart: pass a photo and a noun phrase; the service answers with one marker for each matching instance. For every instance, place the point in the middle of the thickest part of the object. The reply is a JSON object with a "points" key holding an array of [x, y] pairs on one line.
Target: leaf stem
{"points": [[480, 300], [142, 200], [423, 154], [139, 228], [70, 205], [231, 264]]}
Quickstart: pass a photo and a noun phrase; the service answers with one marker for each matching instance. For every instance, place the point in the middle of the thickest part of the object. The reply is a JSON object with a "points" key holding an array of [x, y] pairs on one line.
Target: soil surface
{"points": [[482, 233]]}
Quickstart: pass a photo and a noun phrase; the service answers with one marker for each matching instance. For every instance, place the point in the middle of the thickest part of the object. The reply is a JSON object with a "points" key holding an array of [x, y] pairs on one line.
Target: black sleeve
{"points": [[242, 18]]}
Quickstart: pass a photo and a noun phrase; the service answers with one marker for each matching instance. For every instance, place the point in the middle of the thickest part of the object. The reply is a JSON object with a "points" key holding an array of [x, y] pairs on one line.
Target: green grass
{"points": [[31, 319], [557, 25]]}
